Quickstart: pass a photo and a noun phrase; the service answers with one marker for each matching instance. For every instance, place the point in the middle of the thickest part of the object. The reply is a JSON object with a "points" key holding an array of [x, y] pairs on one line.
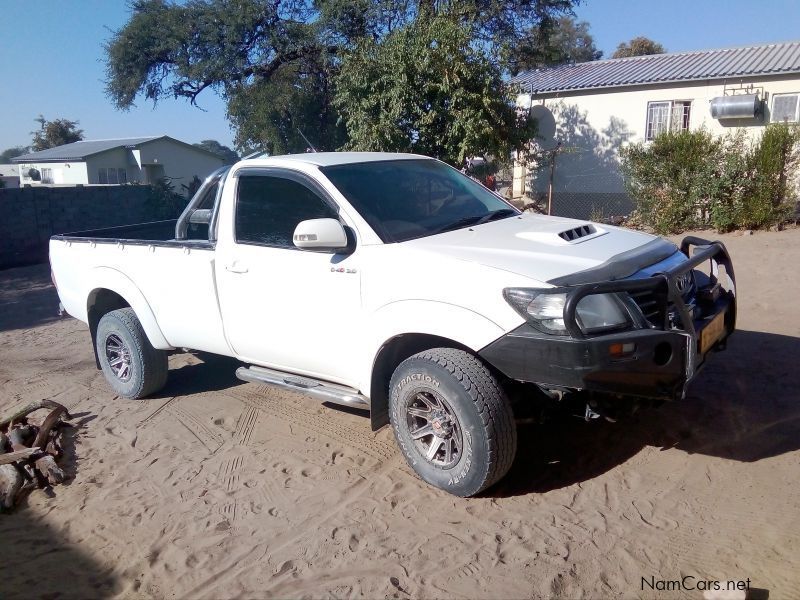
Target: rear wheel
{"points": [[129, 362], [452, 420]]}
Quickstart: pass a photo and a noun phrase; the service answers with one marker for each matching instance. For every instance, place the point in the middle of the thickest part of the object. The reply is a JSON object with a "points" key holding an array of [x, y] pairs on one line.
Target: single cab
{"points": [[394, 283]]}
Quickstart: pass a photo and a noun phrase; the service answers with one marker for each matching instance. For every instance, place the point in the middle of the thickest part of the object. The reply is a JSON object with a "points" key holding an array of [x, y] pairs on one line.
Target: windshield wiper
{"points": [[478, 220], [495, 214]]}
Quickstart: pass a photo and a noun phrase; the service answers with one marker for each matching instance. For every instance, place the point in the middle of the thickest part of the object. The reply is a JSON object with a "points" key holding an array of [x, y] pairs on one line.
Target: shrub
{"points": [[665, 178], [689, 179], [163, 202], [773, 192]]}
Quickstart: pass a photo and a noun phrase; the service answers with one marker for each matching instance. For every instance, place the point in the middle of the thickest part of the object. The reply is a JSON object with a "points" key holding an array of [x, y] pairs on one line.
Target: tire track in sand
{"points": [[230, 471]]}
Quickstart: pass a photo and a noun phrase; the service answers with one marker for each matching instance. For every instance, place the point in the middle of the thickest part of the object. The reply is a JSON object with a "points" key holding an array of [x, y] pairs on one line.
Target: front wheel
{"points": [[452, 420], [130, 363]]}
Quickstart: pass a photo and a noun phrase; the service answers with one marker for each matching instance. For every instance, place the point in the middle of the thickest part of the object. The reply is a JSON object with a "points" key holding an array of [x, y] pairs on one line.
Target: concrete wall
{"points": [[29, 216], [594, 125]]}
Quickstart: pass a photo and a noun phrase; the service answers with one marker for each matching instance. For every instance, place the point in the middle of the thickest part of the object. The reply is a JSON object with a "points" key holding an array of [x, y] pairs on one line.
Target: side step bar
{"points": [[322, 390]]}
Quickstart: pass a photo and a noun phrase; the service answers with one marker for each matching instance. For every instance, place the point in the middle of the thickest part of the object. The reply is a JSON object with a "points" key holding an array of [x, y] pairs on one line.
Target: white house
{"points": [[588, 111], [117, 161], [9, 175]]}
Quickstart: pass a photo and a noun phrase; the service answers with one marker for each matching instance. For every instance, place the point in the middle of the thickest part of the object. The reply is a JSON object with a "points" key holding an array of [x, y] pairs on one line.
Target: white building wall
{"points": [[63, 173], [117, 158], [595, 124], [10, 176], [181, 162]]}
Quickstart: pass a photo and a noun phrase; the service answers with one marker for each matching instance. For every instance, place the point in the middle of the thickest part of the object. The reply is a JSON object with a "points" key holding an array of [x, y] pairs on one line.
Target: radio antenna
{"points": [[310, 145]]}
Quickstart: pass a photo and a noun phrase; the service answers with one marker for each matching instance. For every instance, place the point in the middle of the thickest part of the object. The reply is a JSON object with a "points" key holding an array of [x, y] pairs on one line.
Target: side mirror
{"points": [[320, 234]]}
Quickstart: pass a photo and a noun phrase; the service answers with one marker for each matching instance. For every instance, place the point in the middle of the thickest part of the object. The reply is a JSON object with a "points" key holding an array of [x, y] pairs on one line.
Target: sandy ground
{"points": [[216, 488]]}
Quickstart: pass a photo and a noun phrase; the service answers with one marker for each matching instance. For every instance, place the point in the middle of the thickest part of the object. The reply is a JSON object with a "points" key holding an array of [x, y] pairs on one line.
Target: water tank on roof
{"points": [[739, 106]]}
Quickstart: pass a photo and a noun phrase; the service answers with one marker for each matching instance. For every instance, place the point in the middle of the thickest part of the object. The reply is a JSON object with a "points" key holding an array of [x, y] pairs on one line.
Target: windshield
{"points": [[407, 199]]}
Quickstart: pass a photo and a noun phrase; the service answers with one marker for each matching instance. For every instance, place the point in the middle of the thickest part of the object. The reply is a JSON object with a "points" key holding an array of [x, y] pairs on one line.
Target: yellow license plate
{"points": [[712, 332]]}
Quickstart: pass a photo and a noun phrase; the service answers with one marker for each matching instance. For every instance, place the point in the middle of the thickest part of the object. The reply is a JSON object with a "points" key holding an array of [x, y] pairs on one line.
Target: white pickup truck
{"points": [[394, 283]]}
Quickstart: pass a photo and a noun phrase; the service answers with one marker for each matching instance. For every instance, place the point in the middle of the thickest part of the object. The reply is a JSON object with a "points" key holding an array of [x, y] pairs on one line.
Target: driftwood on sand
{"points": [[29, 451]]}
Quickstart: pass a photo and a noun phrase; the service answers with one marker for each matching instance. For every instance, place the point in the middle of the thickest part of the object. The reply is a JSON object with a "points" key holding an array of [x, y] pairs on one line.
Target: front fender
{"points": [[428, 317], [111, 279]]}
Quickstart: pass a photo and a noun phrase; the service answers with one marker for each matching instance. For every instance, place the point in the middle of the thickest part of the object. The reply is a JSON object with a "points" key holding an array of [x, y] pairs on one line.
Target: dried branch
{"points": [[32, 407], [52, 419], [10, 457]]}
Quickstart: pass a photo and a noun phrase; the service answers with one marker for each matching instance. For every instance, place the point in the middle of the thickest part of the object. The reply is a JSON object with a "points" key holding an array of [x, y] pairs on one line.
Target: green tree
{"points": [[638, 46], [55, 133], [274, 61], [9, 153], [269, 115], [551, 43], [424, 88], [228, 155]]}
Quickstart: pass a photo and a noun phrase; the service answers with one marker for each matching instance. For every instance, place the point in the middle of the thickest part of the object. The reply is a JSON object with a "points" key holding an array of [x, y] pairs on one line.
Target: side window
{"points": [[269, 208]]}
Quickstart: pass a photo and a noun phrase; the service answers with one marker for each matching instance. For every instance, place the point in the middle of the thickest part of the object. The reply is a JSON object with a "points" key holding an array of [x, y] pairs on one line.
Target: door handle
{"points": [[236, 268]]}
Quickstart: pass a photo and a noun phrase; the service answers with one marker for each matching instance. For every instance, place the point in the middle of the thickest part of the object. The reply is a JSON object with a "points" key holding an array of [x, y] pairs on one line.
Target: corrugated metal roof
{"points": [[770, 59], [82, 149]]}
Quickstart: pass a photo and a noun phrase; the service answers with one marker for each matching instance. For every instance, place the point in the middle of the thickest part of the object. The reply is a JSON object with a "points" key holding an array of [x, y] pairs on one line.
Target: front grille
{"points": [[653, 306]]}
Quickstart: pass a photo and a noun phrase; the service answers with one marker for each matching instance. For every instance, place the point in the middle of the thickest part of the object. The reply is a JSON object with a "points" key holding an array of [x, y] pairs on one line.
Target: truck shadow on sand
{"points": [[27, 298], [215, 373], [743, 406]]}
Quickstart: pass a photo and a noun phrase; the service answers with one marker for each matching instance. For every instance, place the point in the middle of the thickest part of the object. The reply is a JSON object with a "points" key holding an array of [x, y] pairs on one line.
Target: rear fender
{"points": [[106, 278]]}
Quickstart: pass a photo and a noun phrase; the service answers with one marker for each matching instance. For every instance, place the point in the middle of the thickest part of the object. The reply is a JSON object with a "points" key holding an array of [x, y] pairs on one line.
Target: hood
{"points": [[548, 248]]}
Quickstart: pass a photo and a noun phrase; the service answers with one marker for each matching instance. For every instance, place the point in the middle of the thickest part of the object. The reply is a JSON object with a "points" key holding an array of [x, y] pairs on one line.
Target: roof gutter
{"points": [[528, 88]]}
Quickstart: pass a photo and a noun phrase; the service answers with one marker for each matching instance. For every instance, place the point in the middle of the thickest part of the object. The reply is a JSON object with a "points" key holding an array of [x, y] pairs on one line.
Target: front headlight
{"points": [[594, 313]]}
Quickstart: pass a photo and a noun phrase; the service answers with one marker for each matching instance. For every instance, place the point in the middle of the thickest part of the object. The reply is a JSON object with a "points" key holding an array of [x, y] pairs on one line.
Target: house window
{"points": [[784, 108], [112, 176], [668, 115], [47, 175]]}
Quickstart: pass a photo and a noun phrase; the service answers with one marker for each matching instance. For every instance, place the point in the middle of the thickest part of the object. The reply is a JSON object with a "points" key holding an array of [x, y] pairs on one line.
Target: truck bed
{"points": [[170, 283], [154, 233]]}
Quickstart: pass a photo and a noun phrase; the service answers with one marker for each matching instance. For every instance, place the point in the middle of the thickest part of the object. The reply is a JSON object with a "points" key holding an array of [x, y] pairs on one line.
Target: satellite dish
{"points": [[545, 125]]}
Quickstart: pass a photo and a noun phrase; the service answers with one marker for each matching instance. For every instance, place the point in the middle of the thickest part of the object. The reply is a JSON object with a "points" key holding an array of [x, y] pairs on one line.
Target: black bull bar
{"points": [[665, 286]]}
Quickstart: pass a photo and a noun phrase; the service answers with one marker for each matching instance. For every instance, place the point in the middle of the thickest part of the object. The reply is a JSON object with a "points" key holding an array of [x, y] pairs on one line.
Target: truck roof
{"points": [[327, 159]]}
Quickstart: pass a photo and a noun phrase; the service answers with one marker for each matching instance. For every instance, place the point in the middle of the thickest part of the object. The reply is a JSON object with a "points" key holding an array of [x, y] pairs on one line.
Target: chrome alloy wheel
{"points": [[434, 428], [119, 357]]}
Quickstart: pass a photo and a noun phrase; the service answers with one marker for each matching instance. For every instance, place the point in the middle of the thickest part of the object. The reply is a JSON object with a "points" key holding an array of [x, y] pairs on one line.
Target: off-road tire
{"points": [[480, 407], [148, 366]]}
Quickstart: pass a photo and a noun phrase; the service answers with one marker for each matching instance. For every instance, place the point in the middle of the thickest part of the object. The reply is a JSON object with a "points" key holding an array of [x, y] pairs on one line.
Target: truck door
{"points": [[283, 307]]}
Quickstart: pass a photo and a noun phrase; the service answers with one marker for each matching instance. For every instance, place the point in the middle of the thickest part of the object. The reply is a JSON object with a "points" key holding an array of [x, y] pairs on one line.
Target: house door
{"points": [[154, 173]]}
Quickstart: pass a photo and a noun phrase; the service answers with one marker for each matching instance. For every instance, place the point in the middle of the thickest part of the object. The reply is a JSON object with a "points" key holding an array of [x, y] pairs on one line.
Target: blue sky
{"points": [[52, 58]]}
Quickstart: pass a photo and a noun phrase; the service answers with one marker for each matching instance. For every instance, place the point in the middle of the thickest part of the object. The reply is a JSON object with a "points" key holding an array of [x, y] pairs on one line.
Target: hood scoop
{"points": [[574, 234], [564, 237]]}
